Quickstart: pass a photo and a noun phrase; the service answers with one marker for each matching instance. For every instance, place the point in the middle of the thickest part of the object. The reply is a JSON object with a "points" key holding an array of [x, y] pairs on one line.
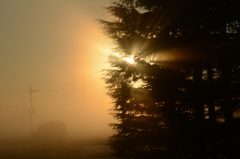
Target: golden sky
{"points": [[58, 48]]}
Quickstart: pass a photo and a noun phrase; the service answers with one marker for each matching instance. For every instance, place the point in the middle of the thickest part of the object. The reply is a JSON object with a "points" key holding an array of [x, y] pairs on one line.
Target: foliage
{"points": [[186, 57]]}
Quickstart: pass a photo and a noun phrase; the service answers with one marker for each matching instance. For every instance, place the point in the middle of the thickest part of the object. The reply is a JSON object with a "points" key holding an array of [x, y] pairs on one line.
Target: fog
{"points": [[58, 48]]}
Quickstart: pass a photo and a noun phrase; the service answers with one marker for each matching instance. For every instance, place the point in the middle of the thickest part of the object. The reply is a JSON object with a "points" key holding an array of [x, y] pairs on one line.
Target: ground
{"points": [[68, 151]]}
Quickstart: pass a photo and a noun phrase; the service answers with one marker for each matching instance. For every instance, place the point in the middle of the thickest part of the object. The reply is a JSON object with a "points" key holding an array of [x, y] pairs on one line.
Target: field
{"points": [[70, 150]]}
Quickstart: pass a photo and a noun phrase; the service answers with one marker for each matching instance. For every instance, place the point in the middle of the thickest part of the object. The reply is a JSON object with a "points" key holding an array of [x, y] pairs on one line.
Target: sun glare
{"points": [[129, 59]]}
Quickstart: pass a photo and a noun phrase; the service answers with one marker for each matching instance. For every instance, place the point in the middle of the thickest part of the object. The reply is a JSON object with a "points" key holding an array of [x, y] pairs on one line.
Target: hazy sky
{"points": [[58, 48]]}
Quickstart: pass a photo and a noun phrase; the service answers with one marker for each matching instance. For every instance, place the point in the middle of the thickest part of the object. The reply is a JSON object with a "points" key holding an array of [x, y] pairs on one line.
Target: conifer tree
{"points": [[186, 65]]}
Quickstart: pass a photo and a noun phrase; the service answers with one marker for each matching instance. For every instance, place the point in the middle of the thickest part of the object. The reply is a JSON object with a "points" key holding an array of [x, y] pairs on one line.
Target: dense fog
{"points": [[58, 48]]}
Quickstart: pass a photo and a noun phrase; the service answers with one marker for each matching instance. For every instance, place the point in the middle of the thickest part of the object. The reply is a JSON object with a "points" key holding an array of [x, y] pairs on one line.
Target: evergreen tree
{"points": [[186, 57]]}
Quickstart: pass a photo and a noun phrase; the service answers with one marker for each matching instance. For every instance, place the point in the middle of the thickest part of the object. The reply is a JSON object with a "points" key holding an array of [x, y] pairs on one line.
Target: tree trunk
{"points": [[228, 112], [212, 114], [199, 113]]}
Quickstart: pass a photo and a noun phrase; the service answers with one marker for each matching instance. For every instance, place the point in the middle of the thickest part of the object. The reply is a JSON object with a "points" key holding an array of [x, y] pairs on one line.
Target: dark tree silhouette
{"points": [[187, 61]]}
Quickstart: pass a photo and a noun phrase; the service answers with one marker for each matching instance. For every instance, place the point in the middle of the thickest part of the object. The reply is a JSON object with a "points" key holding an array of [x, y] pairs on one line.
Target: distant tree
{"points": [[51, 133], [186, 56]]}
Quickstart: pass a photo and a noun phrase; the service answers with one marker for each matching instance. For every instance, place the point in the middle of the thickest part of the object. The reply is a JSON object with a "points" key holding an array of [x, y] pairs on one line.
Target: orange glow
{"points": [[58, 48]]}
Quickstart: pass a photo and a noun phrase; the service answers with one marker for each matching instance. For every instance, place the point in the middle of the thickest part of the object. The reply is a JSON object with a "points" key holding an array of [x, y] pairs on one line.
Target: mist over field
{"points": [[53, 103]]}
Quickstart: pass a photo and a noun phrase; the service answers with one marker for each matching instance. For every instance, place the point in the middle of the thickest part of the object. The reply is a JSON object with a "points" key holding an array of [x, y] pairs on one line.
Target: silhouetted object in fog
{"points": [[180, 97], [50, 134]]}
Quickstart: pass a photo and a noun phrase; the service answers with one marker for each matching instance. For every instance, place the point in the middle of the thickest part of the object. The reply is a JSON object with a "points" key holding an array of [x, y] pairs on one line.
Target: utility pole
{"points": [[31, 110]]}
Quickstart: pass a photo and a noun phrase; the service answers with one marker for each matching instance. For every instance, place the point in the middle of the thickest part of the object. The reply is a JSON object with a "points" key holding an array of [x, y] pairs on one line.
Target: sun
{"points": [[129, 59]]}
